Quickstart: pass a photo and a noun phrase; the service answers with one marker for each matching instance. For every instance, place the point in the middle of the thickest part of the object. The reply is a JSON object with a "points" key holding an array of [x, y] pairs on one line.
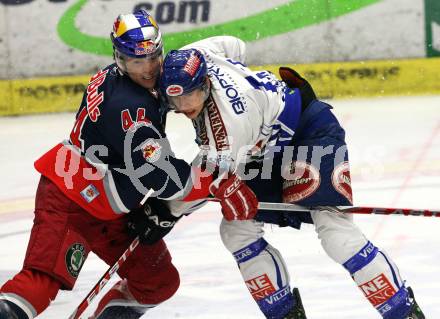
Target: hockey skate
{"points": [[119, 312], [6, 311], [297, 312], [416, 312]]}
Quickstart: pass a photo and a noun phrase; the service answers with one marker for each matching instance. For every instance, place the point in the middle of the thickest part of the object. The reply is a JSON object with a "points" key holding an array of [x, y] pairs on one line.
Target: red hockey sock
{"points": [[36, 288]]}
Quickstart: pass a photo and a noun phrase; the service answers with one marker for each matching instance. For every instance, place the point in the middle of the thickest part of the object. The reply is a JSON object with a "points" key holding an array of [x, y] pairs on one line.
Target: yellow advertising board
{"points": [[371, 78], [330, 80]]}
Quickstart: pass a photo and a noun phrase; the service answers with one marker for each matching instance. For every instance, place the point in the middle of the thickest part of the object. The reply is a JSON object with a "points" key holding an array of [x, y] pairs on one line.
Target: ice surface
{"points": [[395, 160]]}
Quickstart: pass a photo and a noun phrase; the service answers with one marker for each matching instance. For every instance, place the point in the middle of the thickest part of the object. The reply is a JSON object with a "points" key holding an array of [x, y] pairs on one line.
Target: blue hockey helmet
{"points": [[183, 71], [136, 35]]}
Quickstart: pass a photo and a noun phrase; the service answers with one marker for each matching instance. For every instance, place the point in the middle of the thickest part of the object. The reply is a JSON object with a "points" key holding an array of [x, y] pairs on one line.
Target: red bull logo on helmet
{"points": [[144, 47]]}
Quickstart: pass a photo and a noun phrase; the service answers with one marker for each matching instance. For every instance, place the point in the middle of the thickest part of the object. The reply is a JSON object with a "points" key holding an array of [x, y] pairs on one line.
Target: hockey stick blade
{"points": [[353, 210]]}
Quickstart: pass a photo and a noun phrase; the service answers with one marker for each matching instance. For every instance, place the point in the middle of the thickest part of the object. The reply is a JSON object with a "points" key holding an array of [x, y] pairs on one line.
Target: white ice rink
{"points": [[395, 161]]}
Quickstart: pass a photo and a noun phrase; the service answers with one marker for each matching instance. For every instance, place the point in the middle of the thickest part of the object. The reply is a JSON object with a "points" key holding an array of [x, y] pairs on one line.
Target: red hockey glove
{"points": [[237, 199]]}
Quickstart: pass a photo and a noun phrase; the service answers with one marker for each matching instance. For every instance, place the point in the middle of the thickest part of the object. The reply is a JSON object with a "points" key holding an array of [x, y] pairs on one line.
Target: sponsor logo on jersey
{"points": [[174, 90], [151, 151], [192, 65], [89, 193], [228, 86], [74, 259], [94, 99], [217, 126], [260, 287], [341, 180], [304, 180], [378, 290], [202, 135]]}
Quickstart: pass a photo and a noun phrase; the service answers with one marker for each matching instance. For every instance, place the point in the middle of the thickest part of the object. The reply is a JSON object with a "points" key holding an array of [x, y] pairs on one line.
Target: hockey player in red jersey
{"points": [[116, 153], [276, 140]]}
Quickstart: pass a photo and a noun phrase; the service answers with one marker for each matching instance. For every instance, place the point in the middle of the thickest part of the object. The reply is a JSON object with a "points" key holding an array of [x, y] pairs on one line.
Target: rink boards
{"points": [[330, 80]]}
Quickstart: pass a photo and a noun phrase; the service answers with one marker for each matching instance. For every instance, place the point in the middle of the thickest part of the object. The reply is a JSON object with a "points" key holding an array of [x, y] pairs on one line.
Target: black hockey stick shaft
{"points": [[103, 280]]}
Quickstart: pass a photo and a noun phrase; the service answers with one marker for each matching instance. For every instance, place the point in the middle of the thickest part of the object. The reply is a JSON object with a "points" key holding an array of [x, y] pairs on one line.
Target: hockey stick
{"points": [[353, 210], [103, 280]]}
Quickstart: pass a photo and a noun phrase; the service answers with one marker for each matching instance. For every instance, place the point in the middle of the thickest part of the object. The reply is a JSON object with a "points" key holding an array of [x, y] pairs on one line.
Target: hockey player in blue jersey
{"points": [[287, 146], [93, 183]]}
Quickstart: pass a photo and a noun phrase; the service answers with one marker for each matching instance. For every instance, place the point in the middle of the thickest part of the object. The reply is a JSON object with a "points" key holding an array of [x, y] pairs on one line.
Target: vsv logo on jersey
{"points": [[93, 98], [260, 287], [378, 290], [231, 92]]}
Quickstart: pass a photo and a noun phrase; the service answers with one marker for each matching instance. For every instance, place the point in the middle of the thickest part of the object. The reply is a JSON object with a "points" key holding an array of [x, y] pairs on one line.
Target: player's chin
{"points": [[147, 83], [191, 114]]}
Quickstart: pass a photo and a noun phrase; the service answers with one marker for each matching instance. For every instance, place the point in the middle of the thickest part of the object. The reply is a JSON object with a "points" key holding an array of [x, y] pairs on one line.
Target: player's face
{"points": [[190, 104], [144, 72]]}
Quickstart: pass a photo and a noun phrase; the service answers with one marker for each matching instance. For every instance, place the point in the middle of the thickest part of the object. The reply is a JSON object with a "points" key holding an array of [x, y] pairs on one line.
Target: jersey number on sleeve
{"points": [[264, 80]]}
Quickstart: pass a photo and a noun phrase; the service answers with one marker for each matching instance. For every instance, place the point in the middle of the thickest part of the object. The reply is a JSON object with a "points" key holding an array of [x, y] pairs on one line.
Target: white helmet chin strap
{"points": [[119, 60]]}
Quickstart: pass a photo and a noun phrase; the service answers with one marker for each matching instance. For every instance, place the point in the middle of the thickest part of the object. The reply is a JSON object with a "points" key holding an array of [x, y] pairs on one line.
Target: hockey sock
{"points": [[379, 280], [31, 290], [266, 277]]}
